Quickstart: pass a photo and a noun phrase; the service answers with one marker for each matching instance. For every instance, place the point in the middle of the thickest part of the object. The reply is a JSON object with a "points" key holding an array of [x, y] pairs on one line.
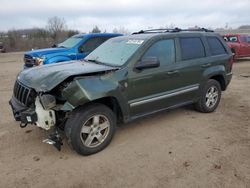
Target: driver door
{"points": [[148, 85]]}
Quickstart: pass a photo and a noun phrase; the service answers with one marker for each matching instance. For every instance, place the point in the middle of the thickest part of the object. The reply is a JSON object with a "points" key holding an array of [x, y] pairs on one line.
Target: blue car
{"points": [[75, 47]]}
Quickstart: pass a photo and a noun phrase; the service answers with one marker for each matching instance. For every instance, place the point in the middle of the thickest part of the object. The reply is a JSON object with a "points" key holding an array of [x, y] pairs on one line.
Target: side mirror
{"points": [[147, 63], [54, 46], [83, 49]]}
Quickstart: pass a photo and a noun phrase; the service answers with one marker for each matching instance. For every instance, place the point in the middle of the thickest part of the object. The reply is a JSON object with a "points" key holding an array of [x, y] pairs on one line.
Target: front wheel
{"points": [[90, 129], [210, 97]]}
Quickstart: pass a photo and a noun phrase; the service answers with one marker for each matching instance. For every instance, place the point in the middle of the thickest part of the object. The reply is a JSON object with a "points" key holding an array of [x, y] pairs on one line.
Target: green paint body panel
{"points": [[86, 89], [45, 78]]}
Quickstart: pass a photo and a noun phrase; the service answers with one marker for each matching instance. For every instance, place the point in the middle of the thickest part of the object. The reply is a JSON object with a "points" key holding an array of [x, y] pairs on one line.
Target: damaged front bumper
{"points": [[38, 116], [44, 118], [22, 113]]}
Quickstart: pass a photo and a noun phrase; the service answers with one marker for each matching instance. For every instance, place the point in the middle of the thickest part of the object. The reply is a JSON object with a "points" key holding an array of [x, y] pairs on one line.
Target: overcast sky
{"points": [[133, 15]]}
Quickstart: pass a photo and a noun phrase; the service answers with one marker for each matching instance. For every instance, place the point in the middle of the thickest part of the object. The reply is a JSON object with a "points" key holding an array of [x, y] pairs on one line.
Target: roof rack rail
{"points": [[171, 30]]}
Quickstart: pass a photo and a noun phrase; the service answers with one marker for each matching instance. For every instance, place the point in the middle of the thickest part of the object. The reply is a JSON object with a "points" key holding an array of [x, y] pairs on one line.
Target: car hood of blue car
{"points": [[46, 51]]}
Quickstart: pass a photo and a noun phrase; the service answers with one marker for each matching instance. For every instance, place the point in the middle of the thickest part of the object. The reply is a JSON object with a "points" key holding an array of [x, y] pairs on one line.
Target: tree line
{"points": [[55, 32]]}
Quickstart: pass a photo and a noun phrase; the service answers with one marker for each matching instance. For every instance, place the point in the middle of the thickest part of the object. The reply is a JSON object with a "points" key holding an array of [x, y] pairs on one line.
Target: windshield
{"points": [[230, 38], [115, 51], [70, 42]]}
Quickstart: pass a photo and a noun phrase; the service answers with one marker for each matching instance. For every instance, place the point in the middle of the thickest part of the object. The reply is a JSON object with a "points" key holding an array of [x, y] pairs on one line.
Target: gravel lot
{"points": [[179, 148]]}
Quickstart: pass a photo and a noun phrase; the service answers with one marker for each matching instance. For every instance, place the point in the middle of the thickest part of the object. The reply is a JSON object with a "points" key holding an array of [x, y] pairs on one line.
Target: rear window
{"points": [[192, 48], [243, 38], [70, 42], [215, 46], [92, 43]]}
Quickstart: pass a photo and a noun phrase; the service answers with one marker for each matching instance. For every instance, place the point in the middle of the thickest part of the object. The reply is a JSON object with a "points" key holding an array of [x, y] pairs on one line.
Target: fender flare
{"points": [[81, 91]]}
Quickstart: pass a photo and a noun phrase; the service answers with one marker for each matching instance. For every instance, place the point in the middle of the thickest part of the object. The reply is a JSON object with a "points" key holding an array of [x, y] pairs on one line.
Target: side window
{"points": [[215, 46], [243, 38], [164, 50], [248, 39], [92, 44], [192, 48]]}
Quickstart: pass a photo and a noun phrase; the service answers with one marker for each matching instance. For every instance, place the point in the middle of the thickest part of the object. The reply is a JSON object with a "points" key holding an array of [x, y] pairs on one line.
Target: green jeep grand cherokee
{"points": [[125, 78]]}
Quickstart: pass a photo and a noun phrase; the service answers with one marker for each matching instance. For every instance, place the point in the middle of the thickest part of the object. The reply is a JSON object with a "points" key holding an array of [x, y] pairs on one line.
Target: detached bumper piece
{"points": [[22, 113], [28, 116], [17, 108], [55, 140]]}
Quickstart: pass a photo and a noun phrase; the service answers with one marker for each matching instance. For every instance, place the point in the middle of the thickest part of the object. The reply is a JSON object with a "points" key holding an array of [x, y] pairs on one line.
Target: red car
{"points": [[239, 44]]}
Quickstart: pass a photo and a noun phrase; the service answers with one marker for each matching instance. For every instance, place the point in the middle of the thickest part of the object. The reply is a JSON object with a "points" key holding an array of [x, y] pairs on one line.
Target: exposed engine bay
{"points": [[46, 119]]}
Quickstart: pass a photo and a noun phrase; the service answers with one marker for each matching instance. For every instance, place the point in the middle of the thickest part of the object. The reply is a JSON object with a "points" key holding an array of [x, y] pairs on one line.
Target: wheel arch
{"points": [[113, 104], [220, 78], [110, 102], [217, 73]]}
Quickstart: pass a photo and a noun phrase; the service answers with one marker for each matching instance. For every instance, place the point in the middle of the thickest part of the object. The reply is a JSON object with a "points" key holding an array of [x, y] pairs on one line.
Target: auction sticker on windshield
{"points": [[135, 41]]}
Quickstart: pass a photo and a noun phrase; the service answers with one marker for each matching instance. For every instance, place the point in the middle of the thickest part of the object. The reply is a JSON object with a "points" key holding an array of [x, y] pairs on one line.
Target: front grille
{"points": [[24, 94], [28, 60]]}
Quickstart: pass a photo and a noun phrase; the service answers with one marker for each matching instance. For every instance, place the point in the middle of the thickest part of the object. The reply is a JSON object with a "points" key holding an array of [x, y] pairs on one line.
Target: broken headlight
{"points": [[48, 101]]}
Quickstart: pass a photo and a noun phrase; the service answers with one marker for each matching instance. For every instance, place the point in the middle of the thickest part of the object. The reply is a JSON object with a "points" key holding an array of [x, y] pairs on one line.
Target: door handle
{"points": [[172, 72], [206, 65]]}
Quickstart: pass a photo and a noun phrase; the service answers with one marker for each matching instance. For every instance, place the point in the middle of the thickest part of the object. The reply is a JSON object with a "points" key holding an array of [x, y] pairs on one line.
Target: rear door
{"points": [[190, 65]]}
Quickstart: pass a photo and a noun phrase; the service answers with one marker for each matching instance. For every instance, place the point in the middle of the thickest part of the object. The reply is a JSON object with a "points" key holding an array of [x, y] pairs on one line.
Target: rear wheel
{"points": [[210, 97], [90, 129]]}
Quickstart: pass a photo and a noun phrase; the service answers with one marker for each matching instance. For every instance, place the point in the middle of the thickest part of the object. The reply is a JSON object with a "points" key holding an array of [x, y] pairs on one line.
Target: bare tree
{"points": [[72, 32], [13, 37], [56, 26], [96, 30], [121, 30]]}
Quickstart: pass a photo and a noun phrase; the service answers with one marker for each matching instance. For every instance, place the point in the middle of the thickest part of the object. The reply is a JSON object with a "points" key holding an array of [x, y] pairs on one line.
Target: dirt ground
{"points": [[180, 148]]}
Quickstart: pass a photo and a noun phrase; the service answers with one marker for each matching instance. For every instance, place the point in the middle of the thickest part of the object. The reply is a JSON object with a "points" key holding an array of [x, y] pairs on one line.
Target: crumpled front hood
{"points": [[46, 51], [46, 77]]}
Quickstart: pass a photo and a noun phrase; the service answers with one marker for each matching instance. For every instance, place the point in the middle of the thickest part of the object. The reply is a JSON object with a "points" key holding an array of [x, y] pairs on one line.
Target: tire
{"points": [[90, 129], [210, 97]]}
